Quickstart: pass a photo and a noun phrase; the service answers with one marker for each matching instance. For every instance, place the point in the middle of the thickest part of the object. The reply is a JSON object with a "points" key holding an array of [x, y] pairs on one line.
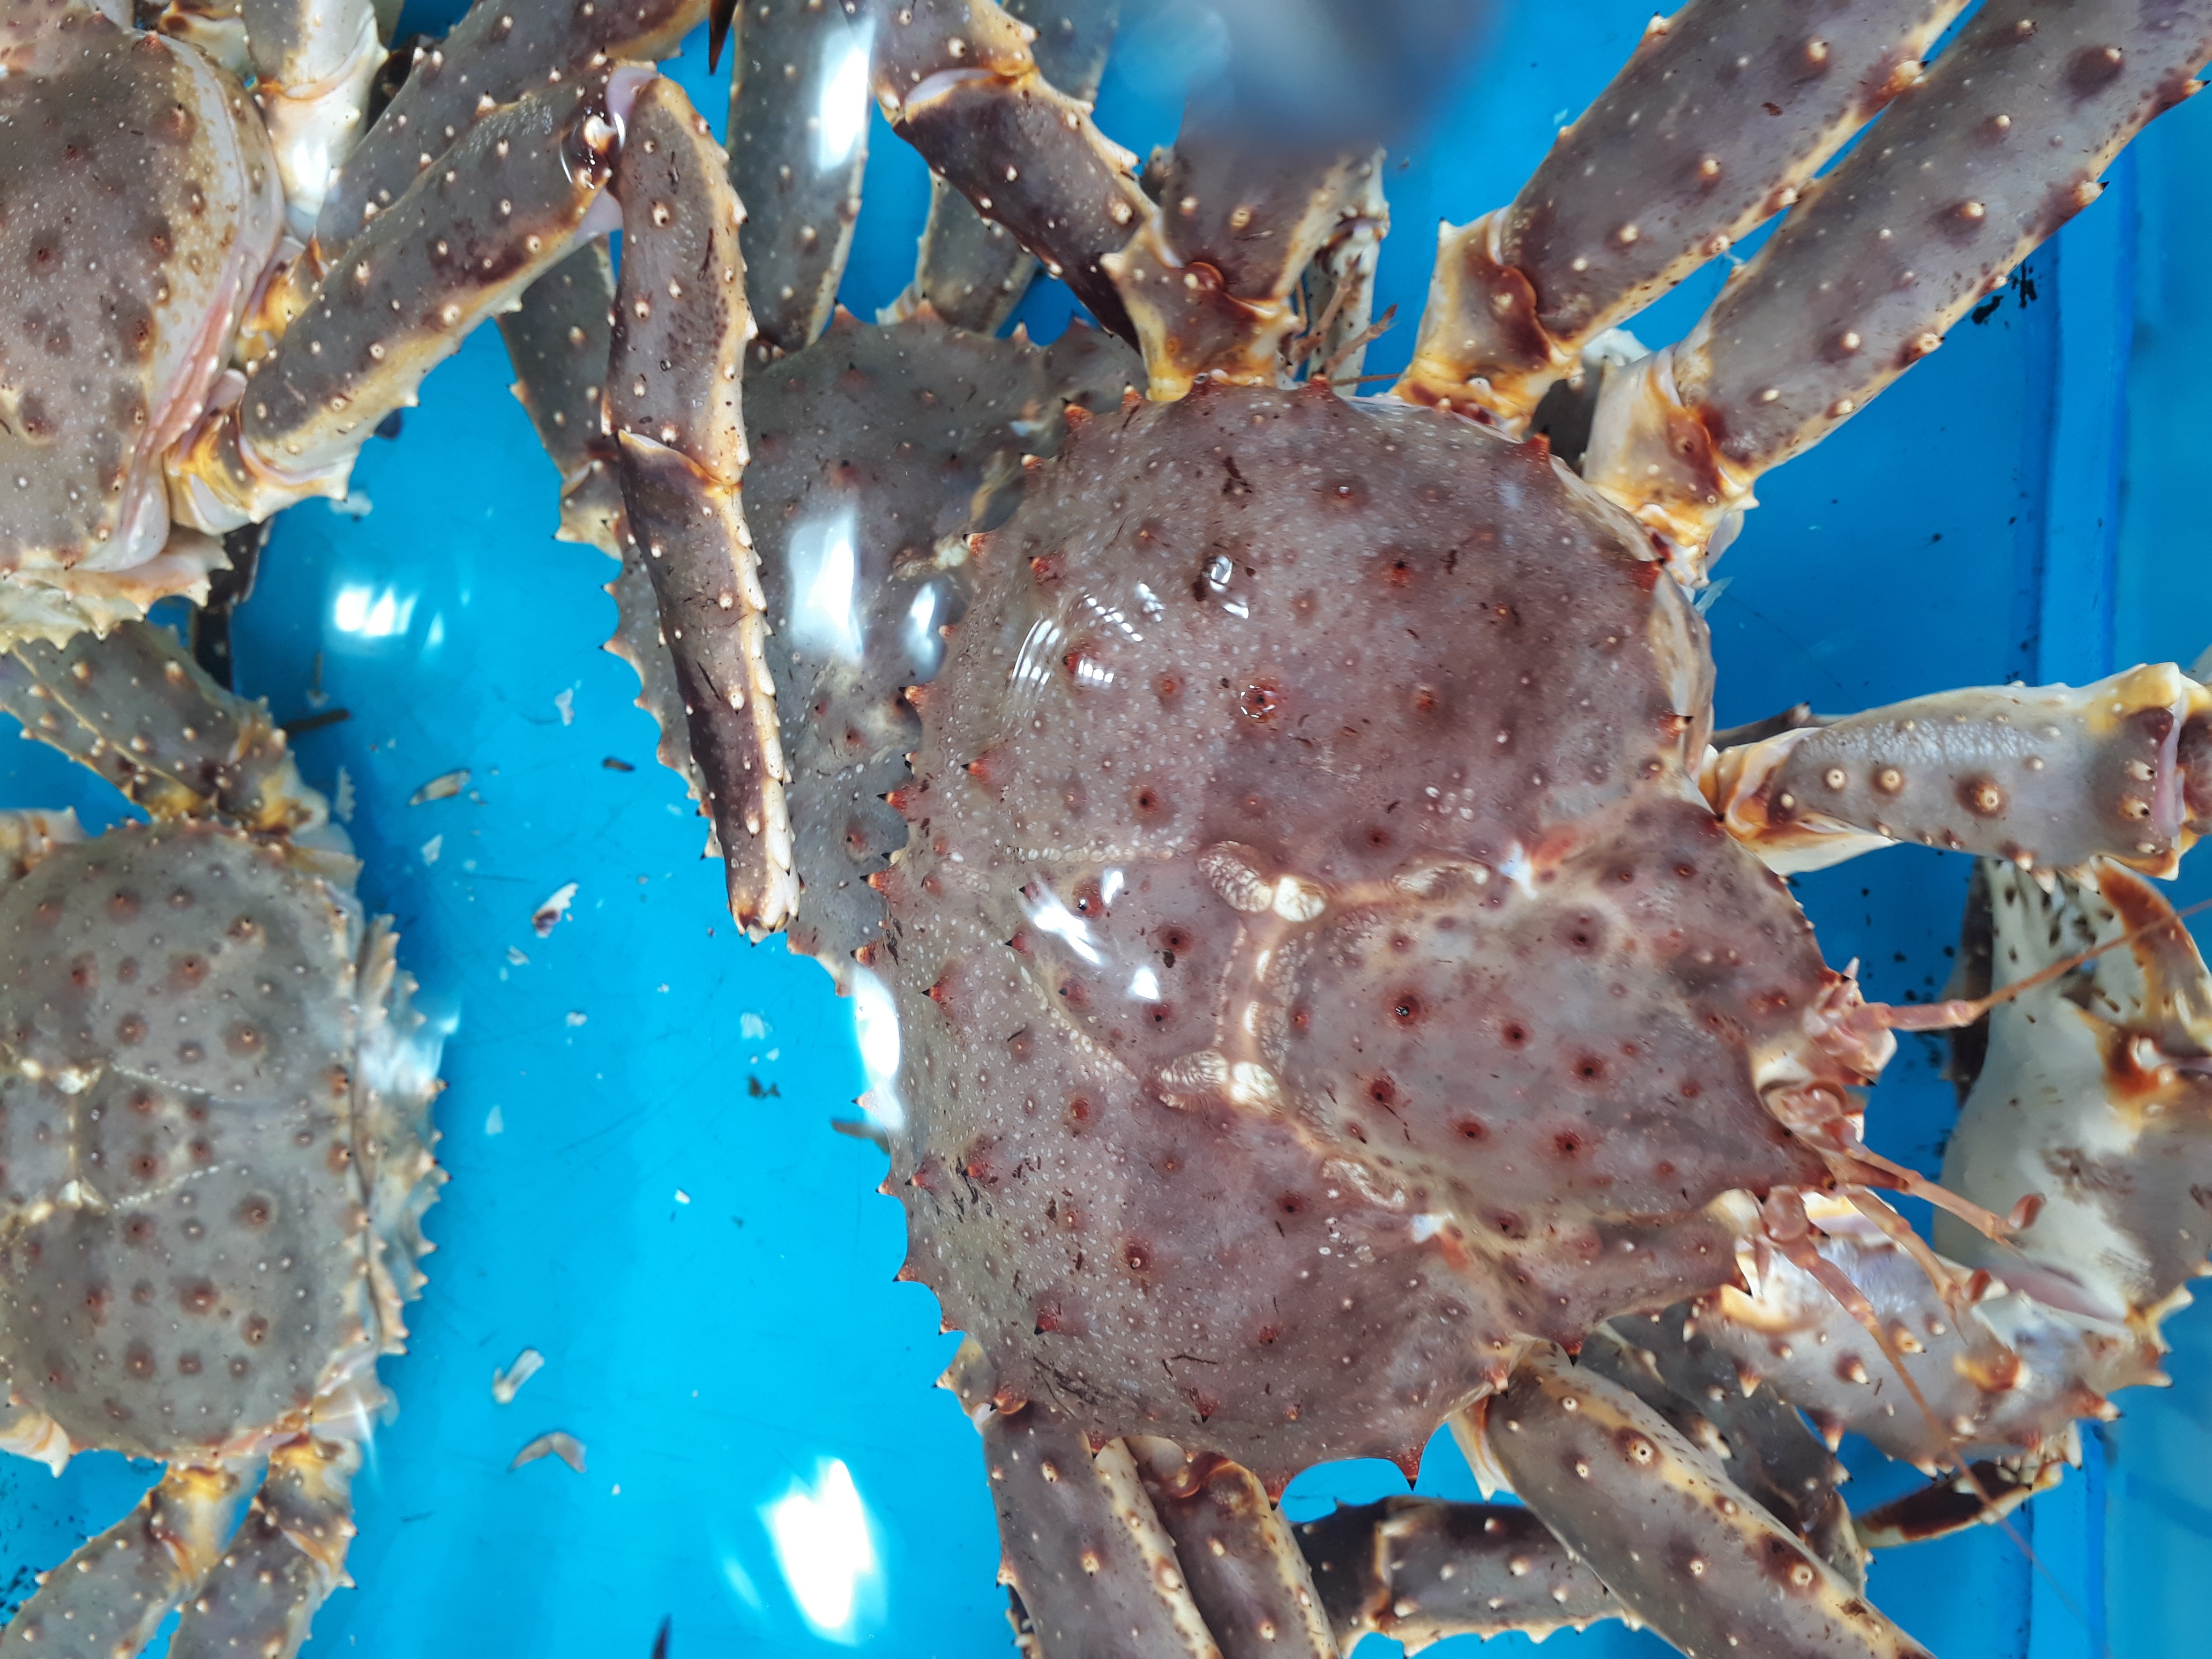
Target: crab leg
{"points": [[501, 51], [1720, 118], [313, 61], [214, 27], [1684, 1550], [681, 326], [1209, 275], [505, 206], [1339, 284], [1663, 1360], [2093, 1100], [1243, 1566], [1083, 1548], [1417, 1570], [967, 269], [958, 80], [1994, 148], [2011, 1373], [2051, 777], [798, 144], [136, 708], [559, 340], [287, 1557], [108, 1599]]}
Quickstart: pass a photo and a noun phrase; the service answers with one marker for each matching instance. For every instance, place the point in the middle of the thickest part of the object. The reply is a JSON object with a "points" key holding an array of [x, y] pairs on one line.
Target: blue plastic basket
{"points": [[646, 1185]]}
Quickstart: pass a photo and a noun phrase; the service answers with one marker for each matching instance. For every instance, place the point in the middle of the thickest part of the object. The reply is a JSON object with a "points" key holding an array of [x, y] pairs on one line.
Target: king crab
{"points": [[214, 1142], [1123, 780]]}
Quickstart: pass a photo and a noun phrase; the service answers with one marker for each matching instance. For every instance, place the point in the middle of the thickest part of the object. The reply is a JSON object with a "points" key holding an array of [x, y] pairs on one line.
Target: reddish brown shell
{"points": [[1315, 968]]}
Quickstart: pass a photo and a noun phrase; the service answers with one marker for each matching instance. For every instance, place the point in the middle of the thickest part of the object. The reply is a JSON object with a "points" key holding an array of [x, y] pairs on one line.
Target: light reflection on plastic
{"points": [[840, 117], [1110, 886], [371, 613], [1145, 985], [827, 1552], [824, 570], [740, 1582], [875, 1026], [1051, 916]]}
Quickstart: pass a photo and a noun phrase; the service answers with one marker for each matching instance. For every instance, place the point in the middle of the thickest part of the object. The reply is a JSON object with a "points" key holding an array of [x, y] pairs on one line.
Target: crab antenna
{"points": [[1957, 1011]]}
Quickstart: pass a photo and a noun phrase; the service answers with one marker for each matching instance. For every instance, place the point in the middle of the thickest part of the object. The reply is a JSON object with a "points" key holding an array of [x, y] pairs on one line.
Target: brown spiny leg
{"points": [[1685, 1550], [1209, 276], [1724, 114], [209, 634], [108, 1599], [2051, 777], [1096, 1573], [558, 337], [1417, 1570], [503, 206], [281, 1565], [499, 52], [1237, 1553], [798, 144], [559, 340], [681, 325], [1996, 148], [969, 269], [958, 80], [1759, 1439], [1986, 1491], [114, 705]]}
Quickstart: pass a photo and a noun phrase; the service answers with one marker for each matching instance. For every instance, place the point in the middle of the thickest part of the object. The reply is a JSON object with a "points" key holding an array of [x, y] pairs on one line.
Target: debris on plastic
{"points": [[751, 1027], [566, 1446], [577, 1017], [432, 848], [514, 955], [444, 787], [342, 801], [505, 1383], [554, 910], [566, 702], [353, 504], [495, 1122], [613, 764], [683, 1197]]}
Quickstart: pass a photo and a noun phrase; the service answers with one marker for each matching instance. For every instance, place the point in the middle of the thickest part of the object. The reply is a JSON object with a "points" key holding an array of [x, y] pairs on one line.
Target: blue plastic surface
{"points": [[646, 1187]]}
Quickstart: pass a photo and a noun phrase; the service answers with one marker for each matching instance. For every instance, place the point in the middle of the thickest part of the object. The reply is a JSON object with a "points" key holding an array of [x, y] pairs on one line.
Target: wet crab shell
{"points": [[142, 199], [192, 1260], [1314, 970]]}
